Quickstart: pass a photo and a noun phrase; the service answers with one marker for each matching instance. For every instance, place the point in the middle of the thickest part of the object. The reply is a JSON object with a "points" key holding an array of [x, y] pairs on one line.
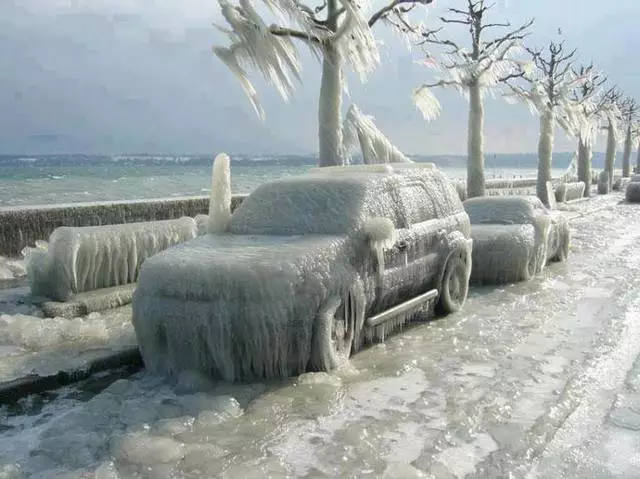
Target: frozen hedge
{"points": [[632, 193], [603, 182], [570, 191], [620, 183], [88, 258]]}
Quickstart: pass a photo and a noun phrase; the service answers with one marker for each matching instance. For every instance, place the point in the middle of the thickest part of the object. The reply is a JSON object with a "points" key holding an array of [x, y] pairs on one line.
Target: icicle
{"points": [[220, 200], [427, 103]]}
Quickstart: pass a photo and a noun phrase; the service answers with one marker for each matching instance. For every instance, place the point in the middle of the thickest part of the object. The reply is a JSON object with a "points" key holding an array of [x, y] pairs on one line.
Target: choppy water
{"points": [[47, 180]]}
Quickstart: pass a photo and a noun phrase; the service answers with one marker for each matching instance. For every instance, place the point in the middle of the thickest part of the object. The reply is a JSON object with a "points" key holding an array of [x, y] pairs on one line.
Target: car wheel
{"points": [[563, 250], [531, 268], [455, 285], [333, 336], [341, 334]]}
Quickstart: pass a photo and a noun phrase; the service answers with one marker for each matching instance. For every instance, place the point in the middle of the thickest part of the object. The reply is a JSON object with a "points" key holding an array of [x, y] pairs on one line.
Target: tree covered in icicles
{"points": [[595, 108], [361, 131], [474, 69], [337, 32], [629, 109], [612, 126], [548, 90]]}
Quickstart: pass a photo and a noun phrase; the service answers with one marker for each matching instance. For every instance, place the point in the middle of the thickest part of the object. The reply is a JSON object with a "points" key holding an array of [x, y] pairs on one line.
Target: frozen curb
{"points": [[90, 302], [12, 391]]}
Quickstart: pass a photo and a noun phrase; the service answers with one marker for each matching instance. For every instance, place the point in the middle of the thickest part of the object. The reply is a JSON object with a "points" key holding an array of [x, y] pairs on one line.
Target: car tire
{"points": [[531, 268], [563, 250], [455, 285], [333, 339]]}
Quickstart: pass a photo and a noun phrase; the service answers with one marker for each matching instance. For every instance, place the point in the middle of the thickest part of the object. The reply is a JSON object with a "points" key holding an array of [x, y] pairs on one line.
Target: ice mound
{"points": [[11, 269], [82, 259], [135, 428], [34, 333], [570, 191]]}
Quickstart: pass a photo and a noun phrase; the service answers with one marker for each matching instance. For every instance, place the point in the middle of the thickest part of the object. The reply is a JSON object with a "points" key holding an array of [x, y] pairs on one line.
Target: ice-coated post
{"points": [[220, 200]]}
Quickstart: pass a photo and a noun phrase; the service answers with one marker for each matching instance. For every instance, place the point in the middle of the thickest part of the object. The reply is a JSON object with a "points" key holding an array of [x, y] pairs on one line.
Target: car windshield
{"points": [[295, 207]]}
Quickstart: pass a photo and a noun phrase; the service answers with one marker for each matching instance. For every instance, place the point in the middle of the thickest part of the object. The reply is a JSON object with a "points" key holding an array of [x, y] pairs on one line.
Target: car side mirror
{"points": [[380, 234]]}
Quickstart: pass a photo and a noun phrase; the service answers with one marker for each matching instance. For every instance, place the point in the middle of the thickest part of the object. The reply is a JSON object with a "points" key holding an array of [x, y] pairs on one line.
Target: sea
{"points": [[53, 179]]}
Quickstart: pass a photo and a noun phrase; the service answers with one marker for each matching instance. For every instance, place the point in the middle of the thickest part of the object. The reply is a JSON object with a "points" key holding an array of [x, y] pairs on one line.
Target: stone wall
{"points": [[22, 226]]}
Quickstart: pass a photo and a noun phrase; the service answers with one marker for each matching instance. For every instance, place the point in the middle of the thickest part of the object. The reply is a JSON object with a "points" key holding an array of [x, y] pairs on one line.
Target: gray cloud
{"points": [[124, 76]]}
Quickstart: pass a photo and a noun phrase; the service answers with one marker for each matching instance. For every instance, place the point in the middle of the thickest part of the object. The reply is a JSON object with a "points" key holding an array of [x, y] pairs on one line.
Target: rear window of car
{"points": [[428, 199]]}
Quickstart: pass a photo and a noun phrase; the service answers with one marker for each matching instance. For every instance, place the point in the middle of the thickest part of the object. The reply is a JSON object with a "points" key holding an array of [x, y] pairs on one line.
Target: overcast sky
{"points": [[127, 76]]}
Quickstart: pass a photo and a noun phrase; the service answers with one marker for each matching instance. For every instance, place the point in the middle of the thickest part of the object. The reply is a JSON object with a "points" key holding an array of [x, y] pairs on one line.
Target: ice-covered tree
{"points": [[595, 108], [482, 65], [337, 32], [548, 91], [612, 97], [629, 109], [360, 130]]}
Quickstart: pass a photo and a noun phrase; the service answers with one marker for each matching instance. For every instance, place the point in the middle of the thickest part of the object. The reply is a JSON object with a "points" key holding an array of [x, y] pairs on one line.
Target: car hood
{"points": [[240, 307], [201, 268]]}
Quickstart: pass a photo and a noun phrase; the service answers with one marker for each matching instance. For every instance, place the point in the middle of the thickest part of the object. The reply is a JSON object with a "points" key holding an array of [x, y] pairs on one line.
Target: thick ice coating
{"points": [[569, 191], [220, 201], [514, 238], [287, 288], [88, 258]]}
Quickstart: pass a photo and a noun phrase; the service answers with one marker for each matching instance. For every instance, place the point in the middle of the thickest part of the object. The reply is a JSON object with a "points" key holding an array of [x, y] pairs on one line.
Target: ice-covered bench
{"points": [[570, 191], [80, 259]]}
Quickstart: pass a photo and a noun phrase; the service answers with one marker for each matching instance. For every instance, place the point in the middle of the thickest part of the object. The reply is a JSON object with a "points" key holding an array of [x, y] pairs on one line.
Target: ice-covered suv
{"points": [[311, 267]]}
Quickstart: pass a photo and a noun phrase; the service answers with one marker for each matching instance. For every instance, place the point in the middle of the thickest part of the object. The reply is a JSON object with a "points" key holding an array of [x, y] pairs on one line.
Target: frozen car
{"points": [[514, 237], [311, 267]]}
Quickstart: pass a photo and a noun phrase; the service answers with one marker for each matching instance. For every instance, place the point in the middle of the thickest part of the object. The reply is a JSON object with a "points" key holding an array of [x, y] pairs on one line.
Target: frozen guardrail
{"points": [[95, 257], [23, 226]]}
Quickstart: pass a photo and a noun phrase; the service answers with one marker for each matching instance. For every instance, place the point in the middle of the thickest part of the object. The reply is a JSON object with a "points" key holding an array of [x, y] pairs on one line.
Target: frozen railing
{"points": [[94, 257]]}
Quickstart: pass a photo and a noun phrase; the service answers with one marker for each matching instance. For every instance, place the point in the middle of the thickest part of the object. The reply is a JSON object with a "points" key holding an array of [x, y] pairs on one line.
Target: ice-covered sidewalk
{"points": [[537, 379]]}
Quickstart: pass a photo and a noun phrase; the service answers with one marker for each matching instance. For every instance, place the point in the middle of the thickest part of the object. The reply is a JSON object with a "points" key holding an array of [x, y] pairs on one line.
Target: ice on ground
{"points": [[530, 371], [80, 259], [11, 268], [31, 344]]}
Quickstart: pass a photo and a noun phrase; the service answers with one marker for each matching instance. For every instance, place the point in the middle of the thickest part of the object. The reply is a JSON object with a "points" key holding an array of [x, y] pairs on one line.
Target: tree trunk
{"points": [[610, 156], [627, 154], [475, 143], [545, 151], [584, 164], [638, 161], [330, 103]]}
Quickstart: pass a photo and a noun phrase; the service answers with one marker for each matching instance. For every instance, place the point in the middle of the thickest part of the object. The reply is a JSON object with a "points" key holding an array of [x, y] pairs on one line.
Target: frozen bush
{"points": [[632, 193], [603, 182], [82, 259]]}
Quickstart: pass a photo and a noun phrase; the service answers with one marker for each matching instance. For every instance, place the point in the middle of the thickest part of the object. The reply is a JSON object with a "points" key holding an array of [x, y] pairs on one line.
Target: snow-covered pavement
{"points": [[537, 379]]}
